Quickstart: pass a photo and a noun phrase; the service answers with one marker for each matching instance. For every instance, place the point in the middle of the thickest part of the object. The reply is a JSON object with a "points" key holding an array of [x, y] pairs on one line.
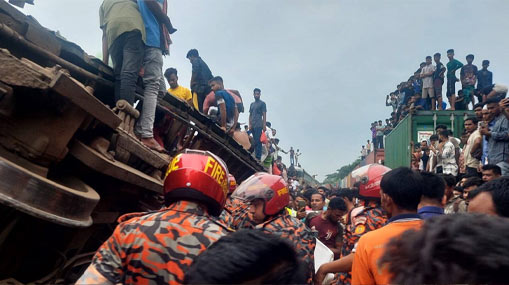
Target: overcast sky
{"points": [[324, 66]]}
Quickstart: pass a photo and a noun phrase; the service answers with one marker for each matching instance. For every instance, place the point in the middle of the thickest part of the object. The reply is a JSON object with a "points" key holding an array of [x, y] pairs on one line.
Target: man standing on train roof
{"points": [[200, 77], [268, 196], [157, 247], [257, 121]]}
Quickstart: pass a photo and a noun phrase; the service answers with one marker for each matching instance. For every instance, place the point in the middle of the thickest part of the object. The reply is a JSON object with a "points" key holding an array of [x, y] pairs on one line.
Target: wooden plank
{"points": [[115, 169], [135, 147], [74, 91]]}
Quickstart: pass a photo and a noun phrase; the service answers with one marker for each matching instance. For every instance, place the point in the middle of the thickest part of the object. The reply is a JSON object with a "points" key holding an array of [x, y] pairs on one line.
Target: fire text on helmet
{"points": [[216, 171]]}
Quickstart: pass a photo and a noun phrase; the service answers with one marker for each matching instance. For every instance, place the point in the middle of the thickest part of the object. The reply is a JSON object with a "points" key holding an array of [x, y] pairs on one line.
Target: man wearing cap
{"points": [[368, 216], [401, 191], [158, 247]]}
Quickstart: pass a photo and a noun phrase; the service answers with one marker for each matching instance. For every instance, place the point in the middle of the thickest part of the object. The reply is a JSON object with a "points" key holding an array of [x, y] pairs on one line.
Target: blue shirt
{"points": [[485, 145], [404, 217], [229, 104], [152, 28], [430, 211]]}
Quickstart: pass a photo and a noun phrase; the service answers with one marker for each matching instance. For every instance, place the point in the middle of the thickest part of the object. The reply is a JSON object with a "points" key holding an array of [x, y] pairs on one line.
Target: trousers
{"points": [[152, 65]]}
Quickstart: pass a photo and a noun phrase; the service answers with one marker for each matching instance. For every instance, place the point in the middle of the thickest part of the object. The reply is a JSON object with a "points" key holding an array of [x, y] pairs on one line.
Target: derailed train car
{"points": [[69, 163]]}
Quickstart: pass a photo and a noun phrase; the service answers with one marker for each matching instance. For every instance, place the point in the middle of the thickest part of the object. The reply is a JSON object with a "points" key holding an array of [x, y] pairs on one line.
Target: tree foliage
{"points": [[341, 173]]}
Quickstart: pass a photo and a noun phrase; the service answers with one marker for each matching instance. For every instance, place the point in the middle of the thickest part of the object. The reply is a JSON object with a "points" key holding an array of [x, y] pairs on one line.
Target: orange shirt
{"points": [[370, 249]]}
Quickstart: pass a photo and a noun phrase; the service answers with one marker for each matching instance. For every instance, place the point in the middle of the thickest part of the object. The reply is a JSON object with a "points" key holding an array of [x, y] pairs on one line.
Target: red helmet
{"points": [[198, 176], [270, 188], [369, 177], [232, 183]]}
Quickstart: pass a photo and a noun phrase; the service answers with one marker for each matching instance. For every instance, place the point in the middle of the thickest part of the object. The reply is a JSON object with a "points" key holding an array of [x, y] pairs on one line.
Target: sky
{"points": [[324, 66]]}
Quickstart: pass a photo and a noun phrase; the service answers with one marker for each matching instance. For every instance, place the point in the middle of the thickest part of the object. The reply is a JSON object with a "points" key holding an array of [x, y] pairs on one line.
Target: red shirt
{"points": [[327, 230]]}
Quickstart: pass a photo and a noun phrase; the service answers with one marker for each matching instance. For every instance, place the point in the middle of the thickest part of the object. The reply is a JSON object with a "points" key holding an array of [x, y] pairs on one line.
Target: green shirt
{"points": [[119, 16], [452, 66]]}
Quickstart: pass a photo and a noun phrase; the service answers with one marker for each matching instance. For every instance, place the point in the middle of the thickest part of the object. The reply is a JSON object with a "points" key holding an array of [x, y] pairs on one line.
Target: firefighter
{"points": [[267, 196], [368, 216], [157, 247]]}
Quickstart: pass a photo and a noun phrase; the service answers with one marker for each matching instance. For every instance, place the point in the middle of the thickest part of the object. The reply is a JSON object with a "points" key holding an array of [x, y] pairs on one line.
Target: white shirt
{"points": [[470, 161], [449, 159], [427, 82]]}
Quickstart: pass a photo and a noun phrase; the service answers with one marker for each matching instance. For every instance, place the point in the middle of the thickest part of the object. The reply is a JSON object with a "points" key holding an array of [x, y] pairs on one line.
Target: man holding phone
{"points": [[497, 136]]}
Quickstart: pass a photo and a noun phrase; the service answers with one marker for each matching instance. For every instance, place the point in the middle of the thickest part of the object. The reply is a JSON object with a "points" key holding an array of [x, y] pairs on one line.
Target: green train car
{"points": [[416, 128]]}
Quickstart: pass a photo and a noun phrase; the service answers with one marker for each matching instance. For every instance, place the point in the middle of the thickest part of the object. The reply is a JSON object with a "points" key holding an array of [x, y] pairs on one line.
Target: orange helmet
{"points": [[369, 177], [270, 188], [232, 183], [198, 176]]}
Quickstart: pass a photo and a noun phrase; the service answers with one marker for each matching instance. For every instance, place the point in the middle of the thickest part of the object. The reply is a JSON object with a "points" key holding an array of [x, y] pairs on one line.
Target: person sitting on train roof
{"points": [[228, 112]]}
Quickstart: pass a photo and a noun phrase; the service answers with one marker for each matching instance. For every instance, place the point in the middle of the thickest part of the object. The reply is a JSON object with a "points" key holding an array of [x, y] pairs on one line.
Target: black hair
{"points": [[473, 119], [218, 79], [480, 104], [441, 127], [169, 72], [404, 186], [451, 249], [472, 181], [268, 124], [433, 138], [445, 133], [257, 90], [337, 204], [317, 193], [499, 189], [347, 193], [244, 256], [434, 186], [192, 52], [450, 50], [485, 62], [309, 192], [449, 179], [470, 56], [428, 57], [495, 168], [493, 100], [437, 54]]}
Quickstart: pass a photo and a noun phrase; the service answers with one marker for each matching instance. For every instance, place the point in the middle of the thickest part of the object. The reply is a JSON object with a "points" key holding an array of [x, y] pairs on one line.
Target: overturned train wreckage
{"points": [[69, 163]]}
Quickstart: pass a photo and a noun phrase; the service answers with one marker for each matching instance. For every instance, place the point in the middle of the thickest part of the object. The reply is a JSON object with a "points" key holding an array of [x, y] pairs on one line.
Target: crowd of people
{"points": [[136, 35], [424, 91], [441, 221], [212, 231]]}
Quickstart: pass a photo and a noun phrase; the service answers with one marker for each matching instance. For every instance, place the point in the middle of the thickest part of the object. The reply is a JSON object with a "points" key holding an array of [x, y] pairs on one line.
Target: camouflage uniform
{"points": [[360, 220], [154, 248], [235, 215], [293, 230]]}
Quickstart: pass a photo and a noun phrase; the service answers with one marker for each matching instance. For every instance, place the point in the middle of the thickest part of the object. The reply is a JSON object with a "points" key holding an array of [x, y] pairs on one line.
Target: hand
{"points": [[319, 276], [301, 213], [224, 129], [484, 130], [504, 103]]}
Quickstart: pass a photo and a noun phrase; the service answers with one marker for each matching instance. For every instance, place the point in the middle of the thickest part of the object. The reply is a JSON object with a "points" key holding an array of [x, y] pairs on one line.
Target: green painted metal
{"points": [[397, 143]]}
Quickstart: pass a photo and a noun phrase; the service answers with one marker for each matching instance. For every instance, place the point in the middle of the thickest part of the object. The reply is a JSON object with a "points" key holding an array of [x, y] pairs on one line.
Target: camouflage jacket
{"points": [[293, 230], [154, 248], [360, 220]]}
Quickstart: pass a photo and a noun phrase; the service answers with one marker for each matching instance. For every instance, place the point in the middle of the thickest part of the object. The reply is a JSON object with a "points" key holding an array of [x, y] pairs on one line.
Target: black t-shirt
{"points": [[256, 111], [440, 68]]}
